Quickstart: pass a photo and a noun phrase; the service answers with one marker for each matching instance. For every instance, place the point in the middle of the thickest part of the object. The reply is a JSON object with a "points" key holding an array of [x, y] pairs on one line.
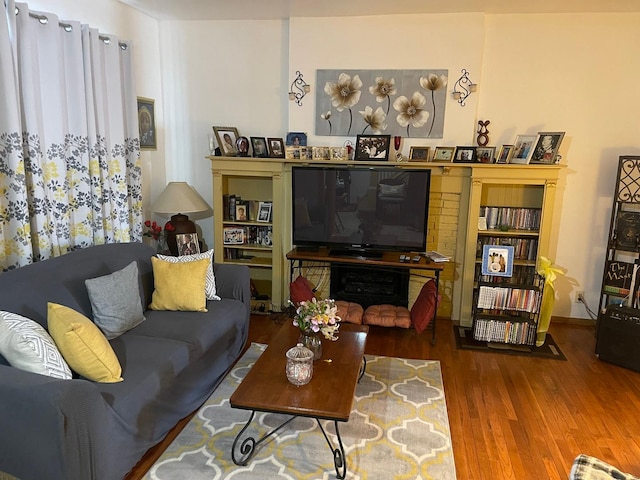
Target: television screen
{"points": [[375, 208]]}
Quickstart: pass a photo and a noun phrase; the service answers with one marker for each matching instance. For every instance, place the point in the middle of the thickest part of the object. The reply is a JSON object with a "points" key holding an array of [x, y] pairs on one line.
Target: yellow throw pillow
{"points": [[83, 345], [179, 286]]}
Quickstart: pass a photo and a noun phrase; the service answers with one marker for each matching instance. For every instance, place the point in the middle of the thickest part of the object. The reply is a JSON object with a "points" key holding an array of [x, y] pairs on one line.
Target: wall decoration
{"points": [[299, 88], [147, 123], [409, 103], [483, 133], [547, 147], [463, 88]]}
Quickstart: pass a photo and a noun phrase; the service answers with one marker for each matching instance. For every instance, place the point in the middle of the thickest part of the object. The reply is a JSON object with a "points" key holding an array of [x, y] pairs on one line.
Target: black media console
{"points": [[370, 285]]}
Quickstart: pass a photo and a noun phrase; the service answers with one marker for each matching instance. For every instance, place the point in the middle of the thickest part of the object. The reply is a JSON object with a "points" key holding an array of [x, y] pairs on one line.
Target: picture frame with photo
{"points": [[523, 149], [373, 147], [187, 244], [486, 154], [292, 153], [259, 147], [547, 146], [419, 154], [233, 236], [321, 153], [296, 139], [504, 153], [242, 212], [227, 138], [276, 147], [444, 154], [264, 212], [465, 154], [497, 260], [338, 153], [147, 123]]}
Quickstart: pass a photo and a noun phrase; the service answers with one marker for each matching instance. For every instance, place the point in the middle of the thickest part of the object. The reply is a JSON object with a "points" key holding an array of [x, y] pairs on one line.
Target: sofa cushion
{"points": [[115, 301], [179, 286], [586, 467], [425, 306], [27, 345], [210, 285], [387, 316], [83, 345]]}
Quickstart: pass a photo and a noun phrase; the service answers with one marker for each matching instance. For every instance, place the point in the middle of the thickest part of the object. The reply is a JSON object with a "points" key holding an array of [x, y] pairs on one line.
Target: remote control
{"points": [[416, 259]]}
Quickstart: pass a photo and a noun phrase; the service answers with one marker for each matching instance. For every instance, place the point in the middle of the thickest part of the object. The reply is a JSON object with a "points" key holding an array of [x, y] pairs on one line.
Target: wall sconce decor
{"points": [[299, 88], [463, 88]]}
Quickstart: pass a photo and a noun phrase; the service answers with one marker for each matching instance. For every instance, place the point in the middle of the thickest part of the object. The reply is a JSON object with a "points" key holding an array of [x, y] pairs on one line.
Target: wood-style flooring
{"points": [[513, 417]]}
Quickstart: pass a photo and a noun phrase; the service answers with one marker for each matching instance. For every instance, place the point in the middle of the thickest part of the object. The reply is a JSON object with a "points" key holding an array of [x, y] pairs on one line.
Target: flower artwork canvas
{"points": [[407, 103]]}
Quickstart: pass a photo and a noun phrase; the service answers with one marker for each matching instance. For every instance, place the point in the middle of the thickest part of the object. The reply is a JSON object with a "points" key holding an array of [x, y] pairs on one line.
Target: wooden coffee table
{"points": [[328, 396]]}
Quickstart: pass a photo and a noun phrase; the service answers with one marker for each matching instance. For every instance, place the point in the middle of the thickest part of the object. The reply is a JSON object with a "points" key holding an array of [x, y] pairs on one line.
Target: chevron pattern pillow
{"points": [[27, 345]]}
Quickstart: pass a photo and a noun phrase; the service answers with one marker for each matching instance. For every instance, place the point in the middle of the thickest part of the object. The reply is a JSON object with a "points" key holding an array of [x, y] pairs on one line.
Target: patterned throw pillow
{"points": [[210, 286], [27, 345]]}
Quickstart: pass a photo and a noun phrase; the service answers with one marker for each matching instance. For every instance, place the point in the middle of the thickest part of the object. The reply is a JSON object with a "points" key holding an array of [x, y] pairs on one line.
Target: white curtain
{"points": [[69, 147]]}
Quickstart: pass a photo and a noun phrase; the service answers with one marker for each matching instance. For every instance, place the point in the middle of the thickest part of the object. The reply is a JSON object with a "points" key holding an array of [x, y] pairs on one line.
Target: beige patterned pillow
{"points": [[210, 284]]}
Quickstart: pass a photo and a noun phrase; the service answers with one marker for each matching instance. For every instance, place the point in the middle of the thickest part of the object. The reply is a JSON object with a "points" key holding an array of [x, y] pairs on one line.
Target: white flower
{"points": [[346, 93], [411, 111], [375, 120]]}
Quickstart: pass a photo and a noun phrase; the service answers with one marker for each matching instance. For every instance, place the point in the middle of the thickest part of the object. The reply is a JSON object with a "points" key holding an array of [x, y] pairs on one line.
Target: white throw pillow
{"points": [[210, 284], [27, 345]]}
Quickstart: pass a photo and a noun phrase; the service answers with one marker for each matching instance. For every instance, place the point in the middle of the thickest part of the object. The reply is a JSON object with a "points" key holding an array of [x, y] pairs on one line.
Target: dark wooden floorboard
{"points": [[513, 417]]}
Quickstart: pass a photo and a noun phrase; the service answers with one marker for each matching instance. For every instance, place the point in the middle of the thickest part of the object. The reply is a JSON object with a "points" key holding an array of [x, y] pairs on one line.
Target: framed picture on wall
{"points": [[547, 147], [147, 123], [226, 138]]}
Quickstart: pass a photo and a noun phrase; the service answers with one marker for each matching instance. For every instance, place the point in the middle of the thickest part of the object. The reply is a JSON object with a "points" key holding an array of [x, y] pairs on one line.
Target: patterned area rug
{"points": [[398, 429]]}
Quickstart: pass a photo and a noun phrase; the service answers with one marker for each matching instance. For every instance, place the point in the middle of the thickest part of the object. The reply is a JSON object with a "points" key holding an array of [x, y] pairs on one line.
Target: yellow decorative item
{"points": [[550, 273], [179, 286], [82, 344]]}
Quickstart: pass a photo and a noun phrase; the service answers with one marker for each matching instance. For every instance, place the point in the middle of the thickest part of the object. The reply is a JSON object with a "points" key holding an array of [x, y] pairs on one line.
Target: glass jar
{"points": [[299, 365]]}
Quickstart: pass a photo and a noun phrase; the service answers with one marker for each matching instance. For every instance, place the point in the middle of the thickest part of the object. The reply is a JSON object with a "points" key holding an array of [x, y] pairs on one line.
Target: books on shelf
{"points": [[255, 235], [236, 209], [618, 277], [627, 235], [523, 248], [520, 333], [511, 217], [506, 298]]}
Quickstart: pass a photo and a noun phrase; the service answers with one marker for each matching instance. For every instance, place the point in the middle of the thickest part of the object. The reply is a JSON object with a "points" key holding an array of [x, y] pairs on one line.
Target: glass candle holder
{"points": [[299, 365]]}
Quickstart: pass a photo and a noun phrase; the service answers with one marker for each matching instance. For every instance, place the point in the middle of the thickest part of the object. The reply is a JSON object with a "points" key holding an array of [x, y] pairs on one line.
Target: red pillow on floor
{"points": [[425, 306], [300, 290]]}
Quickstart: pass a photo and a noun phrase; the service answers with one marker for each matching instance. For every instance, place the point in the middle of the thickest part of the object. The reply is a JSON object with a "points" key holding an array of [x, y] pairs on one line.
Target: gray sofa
{"points": [[78, 429]]}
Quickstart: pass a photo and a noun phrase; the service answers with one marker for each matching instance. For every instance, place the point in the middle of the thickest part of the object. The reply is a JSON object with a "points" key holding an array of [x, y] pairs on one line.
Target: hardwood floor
{"points": [[514, 417]]}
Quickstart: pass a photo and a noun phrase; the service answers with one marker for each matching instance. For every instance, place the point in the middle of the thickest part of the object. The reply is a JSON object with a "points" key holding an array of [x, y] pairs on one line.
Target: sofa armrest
{"points": [[50, 427], [234, 281]]}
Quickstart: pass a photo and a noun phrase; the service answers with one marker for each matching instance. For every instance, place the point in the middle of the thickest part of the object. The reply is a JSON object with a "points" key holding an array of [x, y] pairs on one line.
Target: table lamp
{"points": [[177, 199]]}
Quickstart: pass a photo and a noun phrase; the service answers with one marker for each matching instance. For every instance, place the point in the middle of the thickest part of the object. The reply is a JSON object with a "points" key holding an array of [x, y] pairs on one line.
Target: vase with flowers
{"points": [[156, 233], [315, 318]]}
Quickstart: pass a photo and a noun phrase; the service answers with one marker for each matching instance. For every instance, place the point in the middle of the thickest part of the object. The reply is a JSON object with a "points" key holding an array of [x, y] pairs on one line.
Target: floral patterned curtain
{"points": [[69, 150]]}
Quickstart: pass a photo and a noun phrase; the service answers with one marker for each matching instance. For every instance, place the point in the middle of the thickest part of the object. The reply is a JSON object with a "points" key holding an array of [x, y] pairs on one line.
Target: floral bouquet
{"points": [[152, 229], [318, 316]]}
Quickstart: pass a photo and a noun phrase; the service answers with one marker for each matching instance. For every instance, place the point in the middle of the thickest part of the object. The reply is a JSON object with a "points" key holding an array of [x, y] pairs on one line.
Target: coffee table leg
{"points": [[363, 368], [249, 444], [339, 458]]}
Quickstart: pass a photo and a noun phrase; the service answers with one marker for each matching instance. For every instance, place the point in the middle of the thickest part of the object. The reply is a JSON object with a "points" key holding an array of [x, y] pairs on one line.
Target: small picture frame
{"points": [[233, 236], [504, 153], [419, 154], [276, 147], [259, 147], [444, 154], [338, 153], [465, 155], [242, 215], [547, 146], [485, 154], [187, 244], [523, 149], [264, 212], [292, 153], [372, 147], [227, 138], [296, 139], [497, 260], [321, 153], [147, 123]]}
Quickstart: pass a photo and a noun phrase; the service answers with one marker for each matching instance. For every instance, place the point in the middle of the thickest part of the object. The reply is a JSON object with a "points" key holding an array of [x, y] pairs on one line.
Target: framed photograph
{"points": [[292, 152], [276, 147], [321, 153], [233, 236], [226, 138], [419, 154], [242, 215], [372, 147], [497, 260], [259, 146], [486, 154], [338, 153], [264, 212], [296, 139], [444, 154], [465, 155], [547, 147], [503, 154], [187, 243], [147, 123], [523, 149]]}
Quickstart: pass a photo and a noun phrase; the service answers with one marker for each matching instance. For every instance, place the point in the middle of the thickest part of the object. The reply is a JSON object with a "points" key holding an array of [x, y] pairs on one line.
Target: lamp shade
{"points": [[179, 197]]}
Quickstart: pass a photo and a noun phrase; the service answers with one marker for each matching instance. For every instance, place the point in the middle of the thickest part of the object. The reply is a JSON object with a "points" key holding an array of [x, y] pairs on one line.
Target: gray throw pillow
{"points": [[27, 345], [115, 301]]}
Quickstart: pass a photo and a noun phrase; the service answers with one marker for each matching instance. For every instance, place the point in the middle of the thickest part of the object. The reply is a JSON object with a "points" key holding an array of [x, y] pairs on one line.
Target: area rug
{"points": [[465, 341], [398, 429]]}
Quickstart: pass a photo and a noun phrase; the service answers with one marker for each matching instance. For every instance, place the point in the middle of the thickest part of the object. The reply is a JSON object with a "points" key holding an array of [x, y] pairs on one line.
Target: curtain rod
{"points": [[67, 27]]}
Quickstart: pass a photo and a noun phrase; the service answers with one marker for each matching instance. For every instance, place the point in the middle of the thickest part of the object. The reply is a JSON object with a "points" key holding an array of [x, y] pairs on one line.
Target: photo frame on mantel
{"points": [[227, 138]]}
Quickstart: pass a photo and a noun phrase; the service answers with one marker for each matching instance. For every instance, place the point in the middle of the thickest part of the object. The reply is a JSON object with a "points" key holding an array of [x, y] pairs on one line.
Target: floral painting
{"points": [[407, 103]]}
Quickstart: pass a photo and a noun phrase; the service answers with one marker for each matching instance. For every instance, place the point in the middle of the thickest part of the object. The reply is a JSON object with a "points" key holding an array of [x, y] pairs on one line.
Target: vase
{"points": [[312, 341]]}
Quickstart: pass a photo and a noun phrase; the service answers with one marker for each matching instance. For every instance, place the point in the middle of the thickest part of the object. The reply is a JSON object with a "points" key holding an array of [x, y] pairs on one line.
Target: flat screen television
{"points": [[360, 210]]}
